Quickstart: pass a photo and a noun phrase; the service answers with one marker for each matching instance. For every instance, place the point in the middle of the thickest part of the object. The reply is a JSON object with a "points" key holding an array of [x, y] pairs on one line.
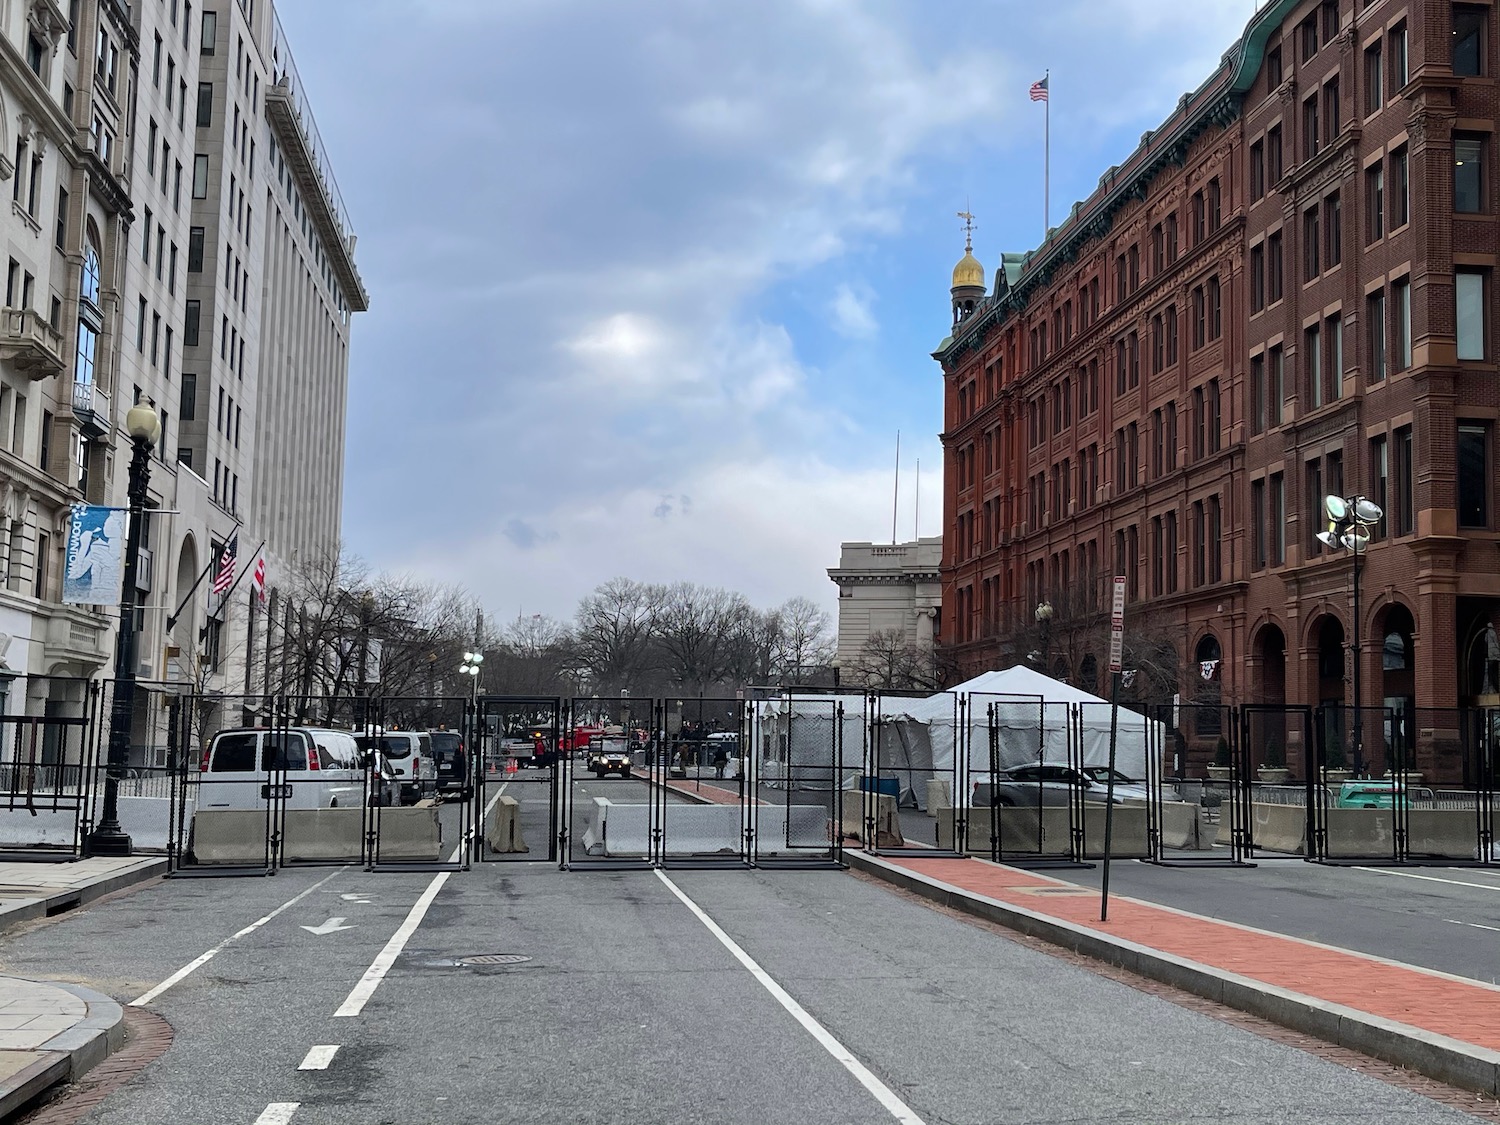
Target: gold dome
{"points": [[968, 271]]}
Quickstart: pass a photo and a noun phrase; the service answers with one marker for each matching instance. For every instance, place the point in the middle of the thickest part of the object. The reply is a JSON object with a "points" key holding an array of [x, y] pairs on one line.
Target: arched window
{"points": [[90, 287], [1395, 655], [1206, 670]]}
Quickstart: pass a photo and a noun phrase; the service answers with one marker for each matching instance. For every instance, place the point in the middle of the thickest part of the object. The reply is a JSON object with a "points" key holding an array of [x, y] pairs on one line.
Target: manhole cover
{"points": [[494, 959]]}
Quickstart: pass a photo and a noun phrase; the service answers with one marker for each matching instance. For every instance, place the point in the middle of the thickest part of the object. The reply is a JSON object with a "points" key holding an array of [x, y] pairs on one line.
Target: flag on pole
{"points": [[224, 578], [1039, 89], [258, 578]]}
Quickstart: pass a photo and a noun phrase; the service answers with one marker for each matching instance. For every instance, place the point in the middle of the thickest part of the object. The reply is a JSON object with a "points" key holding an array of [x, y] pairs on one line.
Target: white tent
{"points": [[1035, 718]]}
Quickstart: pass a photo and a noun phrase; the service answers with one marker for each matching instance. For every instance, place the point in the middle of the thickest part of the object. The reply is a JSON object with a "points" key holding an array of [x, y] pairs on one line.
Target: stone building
{"points": [[889, 591], [1286, 291], [172, 211]]}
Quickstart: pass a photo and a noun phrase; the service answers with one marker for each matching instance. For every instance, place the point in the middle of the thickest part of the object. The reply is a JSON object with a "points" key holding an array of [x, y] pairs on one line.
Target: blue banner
{"points": [[96, 553]]}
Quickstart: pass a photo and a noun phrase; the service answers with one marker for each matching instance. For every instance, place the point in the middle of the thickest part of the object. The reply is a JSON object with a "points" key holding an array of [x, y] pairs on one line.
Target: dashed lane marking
{"points": [[319, 1057], [277, 1113]]}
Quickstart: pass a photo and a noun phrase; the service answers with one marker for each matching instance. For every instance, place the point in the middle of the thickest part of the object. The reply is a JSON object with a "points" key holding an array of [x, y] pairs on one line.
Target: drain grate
{"points": [[494, 959]]}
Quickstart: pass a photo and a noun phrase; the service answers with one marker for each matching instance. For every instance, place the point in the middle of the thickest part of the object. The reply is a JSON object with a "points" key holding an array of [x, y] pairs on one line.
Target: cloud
{"points": [[851, 314]]}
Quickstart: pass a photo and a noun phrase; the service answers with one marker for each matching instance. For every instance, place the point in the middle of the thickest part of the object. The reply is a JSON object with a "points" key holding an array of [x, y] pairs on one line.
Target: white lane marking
{"points": [[355, 1002], [319, 1057], [332, 926], [199, 962], [357, 897], [1429, 878], [277, 1113], [883, 1093], [1476, 925]]}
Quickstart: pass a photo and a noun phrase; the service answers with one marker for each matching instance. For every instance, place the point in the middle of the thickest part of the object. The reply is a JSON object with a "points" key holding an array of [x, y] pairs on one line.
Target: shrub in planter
{"points": [[1275, 757]]}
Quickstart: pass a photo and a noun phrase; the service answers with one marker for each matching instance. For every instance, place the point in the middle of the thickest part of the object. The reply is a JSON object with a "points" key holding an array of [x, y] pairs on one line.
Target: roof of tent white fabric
{"points": [[1020, 680]]}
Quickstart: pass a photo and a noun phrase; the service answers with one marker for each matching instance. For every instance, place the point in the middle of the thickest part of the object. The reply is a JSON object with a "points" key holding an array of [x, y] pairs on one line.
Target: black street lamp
{"points": [[108, 838], [1349, 521], [1044, 619]]}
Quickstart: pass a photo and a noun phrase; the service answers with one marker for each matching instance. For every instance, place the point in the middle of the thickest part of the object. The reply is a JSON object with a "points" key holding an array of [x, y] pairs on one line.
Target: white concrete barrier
{"points": [[229, 836], [887, 818], [939, 794], [410, 835], [624, 831], [19, 828], [1179, 825], [1024, 832], [323, 834], [504, 831]]}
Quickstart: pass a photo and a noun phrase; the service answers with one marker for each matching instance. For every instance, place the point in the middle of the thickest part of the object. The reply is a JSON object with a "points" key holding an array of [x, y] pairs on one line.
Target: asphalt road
{"points": [[861, 1007]]}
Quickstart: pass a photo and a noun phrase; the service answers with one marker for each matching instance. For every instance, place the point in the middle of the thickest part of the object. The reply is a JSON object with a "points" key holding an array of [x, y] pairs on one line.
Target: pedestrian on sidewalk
{"points": [[721, 759]]}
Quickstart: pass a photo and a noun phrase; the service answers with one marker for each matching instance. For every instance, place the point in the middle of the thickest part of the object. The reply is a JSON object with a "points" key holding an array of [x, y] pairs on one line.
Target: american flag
{"points": [[225, 576], [258, 578], [1039, 90]]}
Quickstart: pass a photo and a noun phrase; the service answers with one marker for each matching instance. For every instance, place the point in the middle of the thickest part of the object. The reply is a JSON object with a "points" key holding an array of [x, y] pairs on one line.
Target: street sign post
{"points": [[1116, 667]]}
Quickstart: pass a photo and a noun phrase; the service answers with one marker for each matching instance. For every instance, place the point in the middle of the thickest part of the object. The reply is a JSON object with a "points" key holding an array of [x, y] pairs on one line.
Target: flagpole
{"points": [[1046, 157], [229, 593], [213, 561]]}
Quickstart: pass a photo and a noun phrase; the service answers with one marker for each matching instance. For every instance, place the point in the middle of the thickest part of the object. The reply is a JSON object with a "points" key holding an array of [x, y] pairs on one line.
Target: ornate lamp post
{"points": [[108, 838], [470, 667], [1349, 521], [1044, 619]]}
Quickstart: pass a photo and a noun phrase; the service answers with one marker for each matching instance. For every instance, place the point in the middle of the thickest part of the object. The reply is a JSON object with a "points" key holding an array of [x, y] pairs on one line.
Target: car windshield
{"points": [[399, 747], [445, 740], [1101, 775]]}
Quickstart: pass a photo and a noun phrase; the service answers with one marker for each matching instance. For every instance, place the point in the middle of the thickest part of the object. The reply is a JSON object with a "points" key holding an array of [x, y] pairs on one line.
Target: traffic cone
{"points": [[510, 765]]}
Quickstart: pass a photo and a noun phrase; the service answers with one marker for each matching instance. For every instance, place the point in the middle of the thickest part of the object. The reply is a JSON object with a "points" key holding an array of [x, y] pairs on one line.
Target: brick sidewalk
{"points": [[1468, 1011]]}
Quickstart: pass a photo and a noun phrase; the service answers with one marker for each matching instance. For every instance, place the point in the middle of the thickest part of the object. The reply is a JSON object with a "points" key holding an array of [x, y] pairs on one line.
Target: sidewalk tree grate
{"points": [[494, 959]]}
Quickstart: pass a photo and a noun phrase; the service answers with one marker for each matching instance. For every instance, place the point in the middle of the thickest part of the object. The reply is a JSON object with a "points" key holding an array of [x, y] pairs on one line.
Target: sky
{"points": [[655, 285]]}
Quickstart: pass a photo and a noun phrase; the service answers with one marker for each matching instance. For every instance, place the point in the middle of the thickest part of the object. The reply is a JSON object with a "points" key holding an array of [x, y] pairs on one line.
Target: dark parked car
{"points": [[452, 762]]}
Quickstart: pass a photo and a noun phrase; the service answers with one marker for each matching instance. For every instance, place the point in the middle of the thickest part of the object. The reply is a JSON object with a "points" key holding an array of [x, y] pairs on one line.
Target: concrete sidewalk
{"points": [[1443, 1026], [39, 890], [51, 1033]]}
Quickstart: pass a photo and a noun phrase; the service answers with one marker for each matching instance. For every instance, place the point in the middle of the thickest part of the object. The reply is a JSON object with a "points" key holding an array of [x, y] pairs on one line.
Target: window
{"points": [[1315, 495], [1307, 38], [200, 177], [195, 250], [1278, 519], [187, 403], [1199, 228], [1333, 345], [1214, 417], [1312, 364], [140, 328], [1375, 316], [1310, 244], [1171, 239], [1158, 444], [1375, 202], [1401, 310], [1273, 67], [1333, 231], [1171, 435], [1258, 394], [1135, 268], [1468, 173], [1257, 171], [60, 237], [1200, 530], [205, 104], [1330, 13], [209, 33], [1468, 39], [1215, 539], [1469, 285], [1374, 79], [1274, 267], [1401, 188], [1215, 309], [1215, 205], [1200, 423], [1333, 119], [1473, 475], [1257, 277], [1310, 128], [1171, 327], [1199, 317], [190, 324], [1274, 157], [1400, 74], [1158, 345], [44, 455], [1406, 513], [1380, 471], [1134, 348]]}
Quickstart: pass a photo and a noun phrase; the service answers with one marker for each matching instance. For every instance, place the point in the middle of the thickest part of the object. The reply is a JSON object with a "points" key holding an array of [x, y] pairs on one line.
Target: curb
{"points": [[1436, 1056], [19, 910], [68, 1055]]}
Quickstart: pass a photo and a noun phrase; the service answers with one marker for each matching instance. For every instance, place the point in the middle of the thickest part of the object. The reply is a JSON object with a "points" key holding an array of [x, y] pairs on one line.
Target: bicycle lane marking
{"points": [[198, 962], [866, 1078]]}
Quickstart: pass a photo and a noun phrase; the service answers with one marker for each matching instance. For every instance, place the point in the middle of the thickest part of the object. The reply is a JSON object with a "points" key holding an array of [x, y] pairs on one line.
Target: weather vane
{"points": [[968, 217]]}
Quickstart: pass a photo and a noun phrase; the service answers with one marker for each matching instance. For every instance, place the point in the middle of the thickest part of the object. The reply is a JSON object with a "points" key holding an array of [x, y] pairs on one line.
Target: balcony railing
{"points": [[91, 408]]}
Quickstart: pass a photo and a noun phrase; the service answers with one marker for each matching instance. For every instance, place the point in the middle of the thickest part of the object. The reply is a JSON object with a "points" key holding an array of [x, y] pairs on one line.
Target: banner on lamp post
{"points": [[95, 555]]}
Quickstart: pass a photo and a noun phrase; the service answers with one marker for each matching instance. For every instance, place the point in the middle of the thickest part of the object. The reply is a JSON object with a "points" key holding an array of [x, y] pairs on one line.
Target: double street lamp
{"points": [[470, 667], [108, 838], [1350, 519], [1044, 619]]}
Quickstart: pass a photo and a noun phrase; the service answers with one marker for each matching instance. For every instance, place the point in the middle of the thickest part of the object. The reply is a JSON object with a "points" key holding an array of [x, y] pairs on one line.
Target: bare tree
{"points": [[533, 656], [807, 644], [613, 633], [889, 660], [695, 627]]}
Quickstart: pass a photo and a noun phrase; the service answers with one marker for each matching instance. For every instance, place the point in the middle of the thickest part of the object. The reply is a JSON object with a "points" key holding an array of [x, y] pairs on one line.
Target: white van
{"points": [[317, 769], [410, 755]]}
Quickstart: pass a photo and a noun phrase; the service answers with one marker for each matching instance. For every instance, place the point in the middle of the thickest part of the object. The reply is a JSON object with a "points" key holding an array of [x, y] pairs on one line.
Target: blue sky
{"points": [[654, 285]]}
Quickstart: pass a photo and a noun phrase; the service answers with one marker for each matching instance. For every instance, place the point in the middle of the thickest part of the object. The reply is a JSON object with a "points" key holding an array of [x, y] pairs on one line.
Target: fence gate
{"points": [[914, 757], [51, 782], [806, 754], [612, 819], [512, 768], [1278, 783]]}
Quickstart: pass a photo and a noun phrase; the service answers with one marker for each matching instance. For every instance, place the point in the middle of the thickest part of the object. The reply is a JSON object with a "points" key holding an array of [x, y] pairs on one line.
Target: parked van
{"points": [[314, 768], [411, 757]]}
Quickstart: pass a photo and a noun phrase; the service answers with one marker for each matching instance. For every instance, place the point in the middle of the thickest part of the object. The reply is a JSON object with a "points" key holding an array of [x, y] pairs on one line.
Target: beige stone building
{"points": [[887, 590], [172, 211]]}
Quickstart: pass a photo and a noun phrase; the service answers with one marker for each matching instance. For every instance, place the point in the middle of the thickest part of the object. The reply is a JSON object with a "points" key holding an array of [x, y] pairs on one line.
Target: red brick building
{"points": [[1286, 291]]}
